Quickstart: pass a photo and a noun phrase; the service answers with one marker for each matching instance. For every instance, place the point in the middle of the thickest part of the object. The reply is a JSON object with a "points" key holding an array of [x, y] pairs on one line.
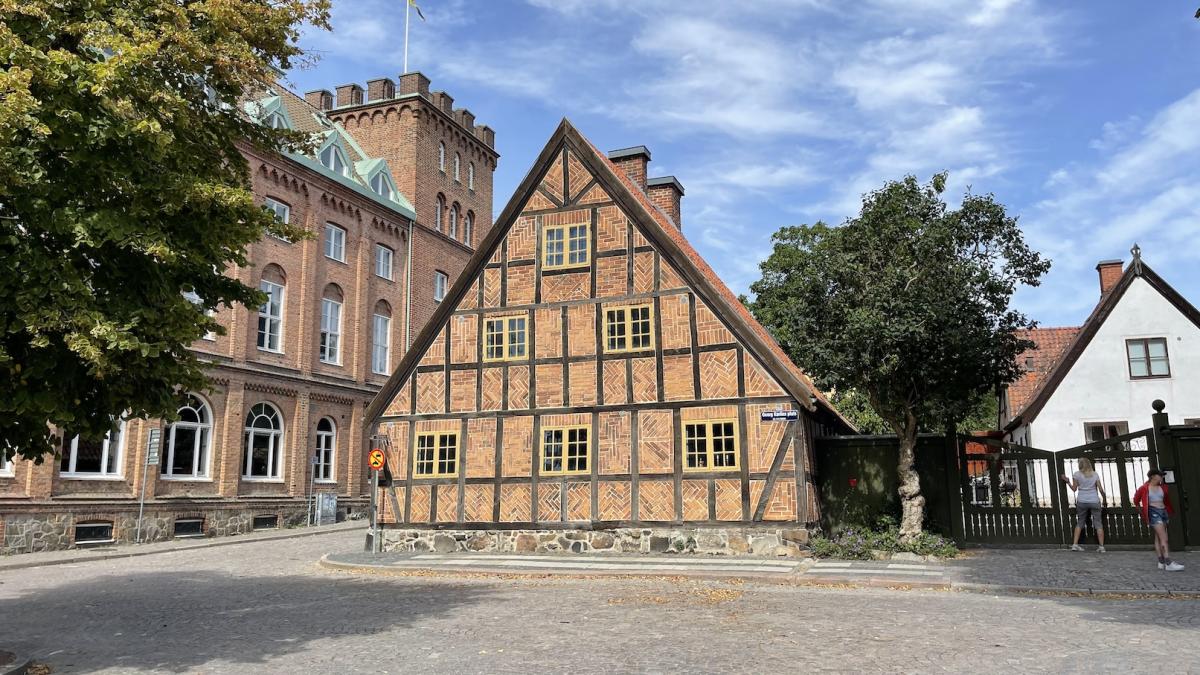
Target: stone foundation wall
{"points": [[55, 530], [759, 541]]}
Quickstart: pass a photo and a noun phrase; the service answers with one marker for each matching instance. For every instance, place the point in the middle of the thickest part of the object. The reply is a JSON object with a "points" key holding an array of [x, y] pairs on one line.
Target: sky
{"points": [[1083, 119]]}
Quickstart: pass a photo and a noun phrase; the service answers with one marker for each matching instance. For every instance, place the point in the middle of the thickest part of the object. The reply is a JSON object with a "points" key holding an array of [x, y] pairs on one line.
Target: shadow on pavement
{"points": [[185, 621]]}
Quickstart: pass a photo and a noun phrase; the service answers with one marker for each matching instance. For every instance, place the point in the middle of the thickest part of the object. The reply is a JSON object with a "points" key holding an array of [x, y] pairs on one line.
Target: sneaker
{"points": [[1162, 566], [1076, 547], [1099, 549], [1173, 567]]}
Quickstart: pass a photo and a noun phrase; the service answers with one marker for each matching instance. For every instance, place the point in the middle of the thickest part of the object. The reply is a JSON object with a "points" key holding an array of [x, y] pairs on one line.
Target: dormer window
{"points": [[275, 121], [333, 159], [382, 186]]}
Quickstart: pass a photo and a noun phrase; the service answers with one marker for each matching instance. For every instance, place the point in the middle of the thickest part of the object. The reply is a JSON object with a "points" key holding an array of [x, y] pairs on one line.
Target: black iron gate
{"points": [[1121, 463]]}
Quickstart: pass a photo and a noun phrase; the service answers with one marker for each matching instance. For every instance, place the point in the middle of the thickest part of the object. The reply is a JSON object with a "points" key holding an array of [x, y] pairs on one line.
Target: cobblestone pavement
{"points": [[1055, 568], [267, 607]]}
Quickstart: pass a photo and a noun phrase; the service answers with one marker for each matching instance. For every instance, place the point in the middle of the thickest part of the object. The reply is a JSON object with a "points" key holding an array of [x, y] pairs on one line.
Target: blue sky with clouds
{"points": [[1083, 118]]}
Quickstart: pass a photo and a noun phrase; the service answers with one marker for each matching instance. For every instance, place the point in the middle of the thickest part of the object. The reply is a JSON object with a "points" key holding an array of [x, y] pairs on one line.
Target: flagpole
{"points": [[407, 11]]}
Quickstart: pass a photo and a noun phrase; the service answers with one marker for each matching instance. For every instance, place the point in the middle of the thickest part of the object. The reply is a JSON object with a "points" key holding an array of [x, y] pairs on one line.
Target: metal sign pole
{"points": [[313, 517], [151, 460], [375, 512]]}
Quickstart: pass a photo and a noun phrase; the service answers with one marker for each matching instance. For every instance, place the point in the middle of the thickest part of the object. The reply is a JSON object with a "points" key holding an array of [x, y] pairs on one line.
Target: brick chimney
{"points": [[321, 99], [666, 192], [1110, 273], [349, 94], [633, 162], [380, 89]]}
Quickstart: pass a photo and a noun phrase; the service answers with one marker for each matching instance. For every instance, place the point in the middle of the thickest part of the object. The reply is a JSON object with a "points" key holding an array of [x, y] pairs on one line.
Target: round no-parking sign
{"points": [[375, 460]]}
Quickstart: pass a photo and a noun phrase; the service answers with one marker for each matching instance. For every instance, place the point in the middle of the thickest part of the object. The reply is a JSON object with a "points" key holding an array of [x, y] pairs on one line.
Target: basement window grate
{"points": [[93, 533], [191, 527], [266, 522]]}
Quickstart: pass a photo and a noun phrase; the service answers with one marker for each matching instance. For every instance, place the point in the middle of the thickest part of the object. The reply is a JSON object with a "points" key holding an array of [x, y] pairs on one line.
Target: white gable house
{"points": [[1141, 343]]}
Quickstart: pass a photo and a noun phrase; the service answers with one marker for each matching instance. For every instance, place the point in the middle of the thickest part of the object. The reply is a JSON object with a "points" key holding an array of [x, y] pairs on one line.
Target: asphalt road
{"points": [[266, 607]]}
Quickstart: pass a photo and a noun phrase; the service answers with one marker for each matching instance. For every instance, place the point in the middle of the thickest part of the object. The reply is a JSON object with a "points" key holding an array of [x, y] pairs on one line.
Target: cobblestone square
{"points": [[267, 607]]}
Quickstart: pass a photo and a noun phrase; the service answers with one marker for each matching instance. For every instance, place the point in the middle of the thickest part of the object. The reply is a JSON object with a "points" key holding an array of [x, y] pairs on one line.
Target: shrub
{"points": [[856, 542]]}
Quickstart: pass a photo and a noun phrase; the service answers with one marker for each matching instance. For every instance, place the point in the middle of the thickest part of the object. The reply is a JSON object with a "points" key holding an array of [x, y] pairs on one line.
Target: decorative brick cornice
{"points": [[283, 178], [344, 207], [271, 389], [391, 228], [330, 398]]}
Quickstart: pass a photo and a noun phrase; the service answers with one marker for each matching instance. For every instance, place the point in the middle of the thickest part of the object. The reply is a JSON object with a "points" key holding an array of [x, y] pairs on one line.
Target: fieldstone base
{"points": [[733, 540]]}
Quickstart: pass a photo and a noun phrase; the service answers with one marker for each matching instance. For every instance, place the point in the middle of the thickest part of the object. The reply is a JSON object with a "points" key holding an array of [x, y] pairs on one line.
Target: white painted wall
{"points": [[1098, 387]]}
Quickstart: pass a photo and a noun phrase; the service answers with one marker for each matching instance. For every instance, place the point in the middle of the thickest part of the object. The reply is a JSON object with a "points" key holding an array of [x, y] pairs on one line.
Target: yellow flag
{"points": [[413, 4]]}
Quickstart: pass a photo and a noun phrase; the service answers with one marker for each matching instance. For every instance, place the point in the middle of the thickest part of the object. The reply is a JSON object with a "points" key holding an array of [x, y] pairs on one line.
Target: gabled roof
{"points": [[1047, 383], [656, 228], [1038, 361]]}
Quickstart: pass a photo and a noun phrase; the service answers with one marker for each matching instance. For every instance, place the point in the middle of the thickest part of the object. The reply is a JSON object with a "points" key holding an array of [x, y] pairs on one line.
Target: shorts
{"points": [[1081, 515], [1158, 516]]}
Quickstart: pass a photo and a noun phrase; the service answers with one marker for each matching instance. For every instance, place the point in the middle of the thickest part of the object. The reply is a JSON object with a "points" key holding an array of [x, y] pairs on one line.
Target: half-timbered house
{"points": [[589, 375]]}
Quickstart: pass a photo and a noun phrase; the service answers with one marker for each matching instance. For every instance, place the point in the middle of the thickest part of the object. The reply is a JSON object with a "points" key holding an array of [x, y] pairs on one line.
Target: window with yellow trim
{"points": [[628, 329], [565, 246], [710, 445], [565, 450], [504, 338], [436, 455]]}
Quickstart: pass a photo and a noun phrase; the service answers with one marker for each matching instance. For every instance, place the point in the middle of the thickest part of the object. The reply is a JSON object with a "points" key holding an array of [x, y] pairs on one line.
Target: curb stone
{"points": [[1053, 590], [211, 543]]}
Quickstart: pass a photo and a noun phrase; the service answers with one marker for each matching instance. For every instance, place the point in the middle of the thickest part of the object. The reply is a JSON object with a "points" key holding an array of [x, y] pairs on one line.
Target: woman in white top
{"points": [[1089, 495]]}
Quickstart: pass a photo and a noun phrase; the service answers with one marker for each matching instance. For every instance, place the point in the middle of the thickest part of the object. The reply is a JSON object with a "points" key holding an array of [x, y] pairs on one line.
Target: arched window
{"points": [[442, 157], [189, 441], [457, 165], [264, 443], [381, 338], [471, 176], [330, 347], [469, 228], [453, 230], [270, 315], [437, 216], [326, 444]]}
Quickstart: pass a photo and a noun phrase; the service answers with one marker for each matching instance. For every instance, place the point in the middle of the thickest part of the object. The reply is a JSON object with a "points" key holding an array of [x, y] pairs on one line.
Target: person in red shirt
{"points": [[1156, 508]]}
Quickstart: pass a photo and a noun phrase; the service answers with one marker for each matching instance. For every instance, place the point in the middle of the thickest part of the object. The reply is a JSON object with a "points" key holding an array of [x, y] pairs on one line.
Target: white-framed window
{"points": [[7, 469], [331, 331], [94, 459], [194, 298], [469, 228], [457, 167], [383, 187], [276, 121], [383, 262], [471, 176], [282, 213], [441, 281], [381, 343], [270, 318], [437, 215], [333, 159], [335, 242], [189, 441], [325, 451], [264, 443], [442, 157], [453, 229]]}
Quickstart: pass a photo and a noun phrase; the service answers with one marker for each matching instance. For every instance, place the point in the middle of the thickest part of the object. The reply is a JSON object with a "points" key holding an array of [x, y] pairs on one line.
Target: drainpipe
{"points": [[408, 290]]}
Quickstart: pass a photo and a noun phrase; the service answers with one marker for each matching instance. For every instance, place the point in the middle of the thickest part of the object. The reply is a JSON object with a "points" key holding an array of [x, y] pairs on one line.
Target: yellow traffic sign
{"points": [[375, 460]]}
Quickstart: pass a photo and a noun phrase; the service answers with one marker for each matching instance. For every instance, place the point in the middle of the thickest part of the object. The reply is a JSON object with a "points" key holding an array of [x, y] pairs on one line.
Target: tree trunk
{"points": [[912, 503]]}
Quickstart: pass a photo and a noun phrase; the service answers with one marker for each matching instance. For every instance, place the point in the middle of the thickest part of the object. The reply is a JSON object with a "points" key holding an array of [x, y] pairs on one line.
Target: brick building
{"points": [[590, 379], [291, 380]]}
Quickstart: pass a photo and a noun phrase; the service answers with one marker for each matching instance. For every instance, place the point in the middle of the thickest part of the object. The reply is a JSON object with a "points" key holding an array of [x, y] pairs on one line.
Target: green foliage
{"points": [[123, 186], [907, 305], [858, 541], [855, 407]]}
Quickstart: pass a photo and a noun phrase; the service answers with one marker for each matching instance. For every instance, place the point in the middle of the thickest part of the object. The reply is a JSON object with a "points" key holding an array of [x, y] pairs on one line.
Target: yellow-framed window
{"points": [[565, 450], [565, 246], [710, 445], [629, 328], [436, 455], [505, 338]]}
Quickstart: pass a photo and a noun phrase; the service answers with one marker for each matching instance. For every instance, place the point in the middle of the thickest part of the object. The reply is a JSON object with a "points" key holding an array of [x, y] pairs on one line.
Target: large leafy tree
{"points": [[123, 188], [907, 304]]}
